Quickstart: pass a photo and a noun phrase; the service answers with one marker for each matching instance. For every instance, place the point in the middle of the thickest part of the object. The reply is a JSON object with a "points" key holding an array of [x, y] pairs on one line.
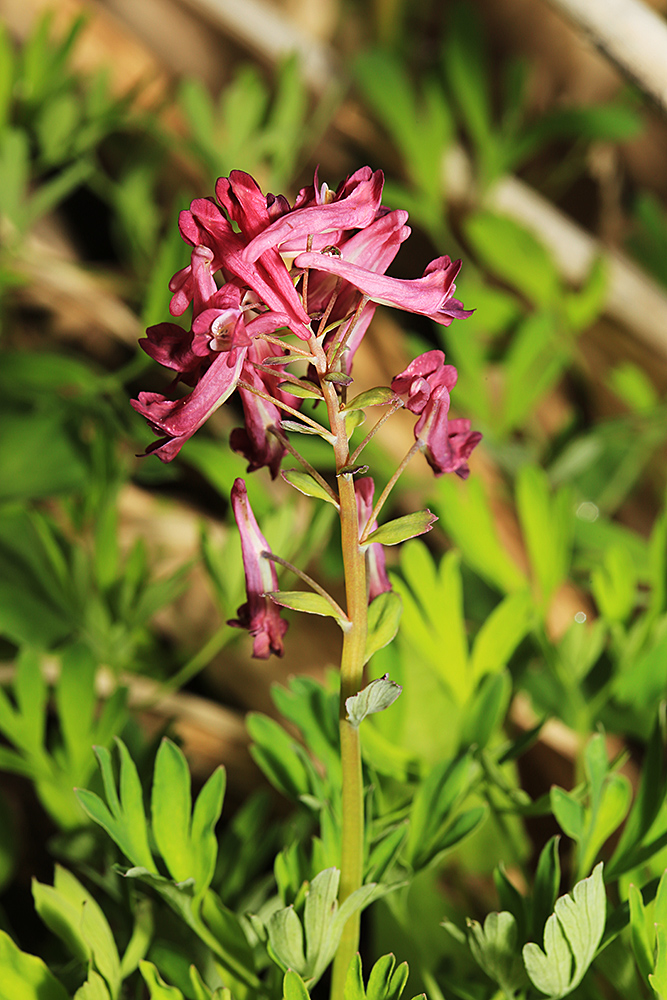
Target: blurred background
{"points": [[515, 145]]}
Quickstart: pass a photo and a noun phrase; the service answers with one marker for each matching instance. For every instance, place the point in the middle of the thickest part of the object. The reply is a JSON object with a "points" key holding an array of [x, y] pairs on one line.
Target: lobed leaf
{"points": [[571, 938]]}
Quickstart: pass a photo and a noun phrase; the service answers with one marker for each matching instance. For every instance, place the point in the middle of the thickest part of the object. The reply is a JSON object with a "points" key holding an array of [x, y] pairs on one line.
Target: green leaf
{"points": [[571, 938], [307, 949], [375, 697], [94, 988], [298, 428], [384, 618], [641, 932], [501, 633], [512, 253], [401, 528], [142, 935], [305, 390], [7, 66], [547, 522], [278, 754], [73, 914], [569, 812], [495, 949], [380, 396], [545, 887], [584, 306], [307, 484], [486, 710], [648, 801], [294, 987], [170, 810], [432, 809], [311, 603], [157, 988], [658, 979], [354, 983], [24, 976], [124, 819], [14, 175], [465, 513], [614, 584]]}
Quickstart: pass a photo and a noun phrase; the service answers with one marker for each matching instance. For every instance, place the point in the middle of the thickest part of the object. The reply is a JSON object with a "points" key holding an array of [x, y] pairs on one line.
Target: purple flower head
{"points": [[259, 615], [376, 572], [246, 280], [425, 386]]}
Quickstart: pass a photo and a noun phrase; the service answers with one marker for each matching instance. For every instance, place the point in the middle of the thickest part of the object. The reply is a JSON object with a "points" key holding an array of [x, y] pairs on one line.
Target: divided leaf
{"points": [[571, 938]]}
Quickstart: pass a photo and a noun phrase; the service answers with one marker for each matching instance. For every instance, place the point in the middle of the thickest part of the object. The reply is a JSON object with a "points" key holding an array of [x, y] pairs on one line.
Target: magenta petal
{"points": [[423, 376], [354, 210], [255, 442], [428, 295], [172, 346], [376, 572], [240, 196], [259, 614], [179, 419]]}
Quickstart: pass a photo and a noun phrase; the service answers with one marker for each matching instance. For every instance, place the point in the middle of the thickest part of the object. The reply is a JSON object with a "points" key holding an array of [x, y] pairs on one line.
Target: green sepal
{"points": [[401, 528]]}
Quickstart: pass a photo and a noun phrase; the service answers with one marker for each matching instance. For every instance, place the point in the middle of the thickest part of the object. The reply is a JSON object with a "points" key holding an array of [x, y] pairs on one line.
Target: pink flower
{"points": [[246, 281], [430, 295], [259, 614], [425, 386], [255, 441], [177, 420], [376, 572]]}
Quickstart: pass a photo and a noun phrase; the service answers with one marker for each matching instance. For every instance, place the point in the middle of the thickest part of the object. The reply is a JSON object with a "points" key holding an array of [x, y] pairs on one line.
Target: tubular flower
{"points": [[259, 615], [425, 386], [260, 266], [376, 572]]}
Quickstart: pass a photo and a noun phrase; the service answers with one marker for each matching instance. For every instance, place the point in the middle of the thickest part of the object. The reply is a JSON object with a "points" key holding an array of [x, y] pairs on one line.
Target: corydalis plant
{"points": [[262, 271]]}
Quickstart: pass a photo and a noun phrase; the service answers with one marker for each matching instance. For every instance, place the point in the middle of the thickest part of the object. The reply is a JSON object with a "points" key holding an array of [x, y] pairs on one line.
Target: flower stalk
{"points": [[351, 675]]}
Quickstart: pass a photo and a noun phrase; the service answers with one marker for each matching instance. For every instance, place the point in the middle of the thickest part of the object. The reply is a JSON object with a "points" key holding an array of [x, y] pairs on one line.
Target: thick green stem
{"points": [[352, 667]]}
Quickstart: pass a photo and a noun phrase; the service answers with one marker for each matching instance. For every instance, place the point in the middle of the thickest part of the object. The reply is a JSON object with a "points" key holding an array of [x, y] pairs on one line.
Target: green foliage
{"points": [[401, 528], [72, 913], [183, 835], [308, 945], [56, 767], [571, 938], [607, 804], [384, 618], [24, 976], [249, 128]]}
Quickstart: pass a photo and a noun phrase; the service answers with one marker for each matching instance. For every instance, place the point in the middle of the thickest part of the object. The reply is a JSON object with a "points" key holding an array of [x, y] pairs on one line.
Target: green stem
{"points": [[351, 670], [388, 488]]}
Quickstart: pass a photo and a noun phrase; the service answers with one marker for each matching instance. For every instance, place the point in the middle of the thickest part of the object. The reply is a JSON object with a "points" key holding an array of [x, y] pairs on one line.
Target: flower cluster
{"points": [[259, 269], [260, 249], [424, 387]]}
